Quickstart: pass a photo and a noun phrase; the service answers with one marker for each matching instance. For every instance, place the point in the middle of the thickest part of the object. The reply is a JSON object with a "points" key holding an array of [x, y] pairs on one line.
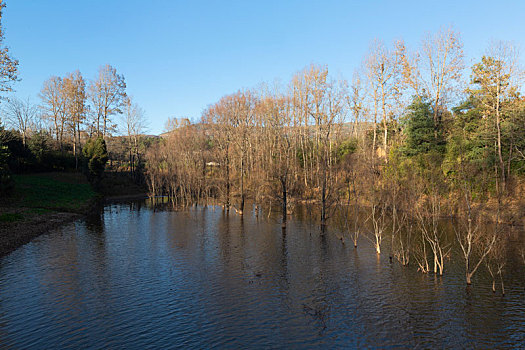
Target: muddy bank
{"points": [[42, 202], [18, 233]]}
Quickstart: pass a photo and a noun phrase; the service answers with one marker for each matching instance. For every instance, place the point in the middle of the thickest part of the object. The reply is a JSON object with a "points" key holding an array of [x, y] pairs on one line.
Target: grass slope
{"points": [[40, 203], [41, 193]]}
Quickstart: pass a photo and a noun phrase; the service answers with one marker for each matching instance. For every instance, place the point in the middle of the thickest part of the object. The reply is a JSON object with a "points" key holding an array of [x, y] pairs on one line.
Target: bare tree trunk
{"points": [[501, 280], [323, 199], [374, 141], [241, 211], [500, 157], [468, 278], [285, 203], [227, 182], [385, 132]]}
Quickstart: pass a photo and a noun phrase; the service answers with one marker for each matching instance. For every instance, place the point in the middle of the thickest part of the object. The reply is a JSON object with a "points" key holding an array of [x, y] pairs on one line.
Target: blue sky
{"points": [[179, 56]]}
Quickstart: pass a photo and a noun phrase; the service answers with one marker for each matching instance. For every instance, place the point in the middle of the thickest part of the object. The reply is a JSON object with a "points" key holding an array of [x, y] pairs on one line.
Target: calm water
{"points": [[138, 278]]}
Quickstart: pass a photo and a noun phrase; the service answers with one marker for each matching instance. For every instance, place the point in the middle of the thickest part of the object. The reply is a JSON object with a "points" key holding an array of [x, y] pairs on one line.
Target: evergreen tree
{"points": [[420, 130], [96, 157]]}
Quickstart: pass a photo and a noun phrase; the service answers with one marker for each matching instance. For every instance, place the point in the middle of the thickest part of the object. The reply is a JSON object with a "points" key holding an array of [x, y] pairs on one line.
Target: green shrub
{"points": [[95, 158]]}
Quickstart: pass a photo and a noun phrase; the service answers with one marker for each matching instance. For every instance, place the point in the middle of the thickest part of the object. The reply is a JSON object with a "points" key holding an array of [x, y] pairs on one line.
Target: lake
{"points": [[137, 277]]}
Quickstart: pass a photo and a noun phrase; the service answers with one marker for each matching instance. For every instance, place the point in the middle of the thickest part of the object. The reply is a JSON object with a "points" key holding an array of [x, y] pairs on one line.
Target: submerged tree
{"points": [[275, 115], [496, 259], [475, 244], [402, 199], [424, 152], [324, 105], [352, 167]]}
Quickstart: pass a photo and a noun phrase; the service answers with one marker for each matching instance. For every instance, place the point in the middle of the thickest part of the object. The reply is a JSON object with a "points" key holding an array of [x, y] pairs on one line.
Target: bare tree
{"points": [[107, 93], [54, 106], [385, 68], [427, 214], [275, 111], [242, 118], [133, 125], [376, 197], [21, 115], [220, 131], [440, 68], [325, 106], [378, 212], [474, 242], [403, 238], [351, 212], [183, 165], [356, 101], [74, 96], [156, 171], [496, 259], [402, 197], [299, 94]]}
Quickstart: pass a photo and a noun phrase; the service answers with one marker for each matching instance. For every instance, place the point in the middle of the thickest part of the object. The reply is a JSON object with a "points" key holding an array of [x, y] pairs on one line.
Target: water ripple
{"points": [[138, 278]]}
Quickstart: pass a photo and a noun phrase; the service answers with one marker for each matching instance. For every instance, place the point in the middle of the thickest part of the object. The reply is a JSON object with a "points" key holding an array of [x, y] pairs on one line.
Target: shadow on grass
{"points": [[52, 191]]}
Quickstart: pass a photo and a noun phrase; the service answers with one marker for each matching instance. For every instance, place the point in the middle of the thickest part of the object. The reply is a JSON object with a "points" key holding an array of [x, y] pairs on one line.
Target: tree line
{"points": [[72, 112], [56, 133], [74, 118], [406, 142]]}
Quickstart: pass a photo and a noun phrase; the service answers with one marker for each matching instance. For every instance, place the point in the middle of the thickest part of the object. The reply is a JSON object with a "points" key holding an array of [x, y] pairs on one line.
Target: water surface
{"points": [[134, 277]]}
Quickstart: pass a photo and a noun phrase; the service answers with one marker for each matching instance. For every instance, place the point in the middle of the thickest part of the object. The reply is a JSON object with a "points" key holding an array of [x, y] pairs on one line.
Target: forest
{"points": [[408, 141], [415, 136]]}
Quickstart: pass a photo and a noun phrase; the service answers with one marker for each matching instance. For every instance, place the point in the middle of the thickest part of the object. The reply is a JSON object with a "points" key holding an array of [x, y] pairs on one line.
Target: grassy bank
{"points": [[68, 192], [41, 202]]}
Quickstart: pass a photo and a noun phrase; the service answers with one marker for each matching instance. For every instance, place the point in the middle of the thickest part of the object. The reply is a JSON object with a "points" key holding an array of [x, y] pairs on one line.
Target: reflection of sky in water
{"points": [[134, 277]]}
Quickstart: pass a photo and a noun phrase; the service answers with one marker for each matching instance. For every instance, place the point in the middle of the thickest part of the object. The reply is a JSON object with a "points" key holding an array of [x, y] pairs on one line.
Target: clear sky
{"points": [[179, 56]]}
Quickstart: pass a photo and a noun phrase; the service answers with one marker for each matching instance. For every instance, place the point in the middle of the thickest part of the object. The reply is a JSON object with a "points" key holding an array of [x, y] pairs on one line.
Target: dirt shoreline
{"points": [[15, 234]]}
